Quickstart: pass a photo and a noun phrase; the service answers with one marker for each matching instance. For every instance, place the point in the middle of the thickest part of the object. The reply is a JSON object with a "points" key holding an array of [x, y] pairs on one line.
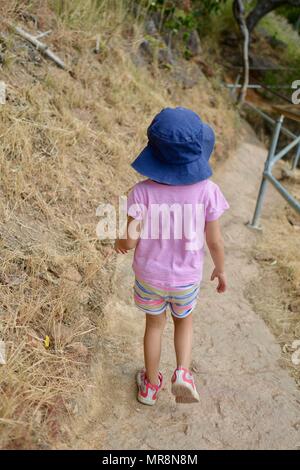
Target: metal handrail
{"points": [[284, 151], [267, 175], [272, 157], [284, 130]]}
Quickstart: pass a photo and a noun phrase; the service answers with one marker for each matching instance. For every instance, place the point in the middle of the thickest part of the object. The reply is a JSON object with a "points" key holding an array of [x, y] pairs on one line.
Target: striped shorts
{"points": [[154, 300]]}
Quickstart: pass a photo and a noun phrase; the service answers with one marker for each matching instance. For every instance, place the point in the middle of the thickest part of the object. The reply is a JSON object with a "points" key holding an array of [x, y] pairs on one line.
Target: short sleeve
{"points": [[136, 206], [216, 203]]}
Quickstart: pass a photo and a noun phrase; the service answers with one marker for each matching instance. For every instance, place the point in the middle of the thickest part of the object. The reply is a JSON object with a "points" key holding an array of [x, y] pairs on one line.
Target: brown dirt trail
{"points": [[248, 401]]}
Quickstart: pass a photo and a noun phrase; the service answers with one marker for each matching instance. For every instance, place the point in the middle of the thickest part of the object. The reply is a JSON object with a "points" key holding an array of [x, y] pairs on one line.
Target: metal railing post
{"points": [[263, 185], [296, 158]]}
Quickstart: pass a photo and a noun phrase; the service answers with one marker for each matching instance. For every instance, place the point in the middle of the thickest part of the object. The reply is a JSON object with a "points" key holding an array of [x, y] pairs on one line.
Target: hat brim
{"points": [[147, 164]]}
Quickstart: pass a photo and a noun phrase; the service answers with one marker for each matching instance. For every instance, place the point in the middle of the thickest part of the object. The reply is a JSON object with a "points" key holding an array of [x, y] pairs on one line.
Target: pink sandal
{"points": [[147, 393], [183, 386]]}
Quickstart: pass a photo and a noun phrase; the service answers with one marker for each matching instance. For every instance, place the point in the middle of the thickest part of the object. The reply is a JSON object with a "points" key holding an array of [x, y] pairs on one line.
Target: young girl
{"points": [[169, 216]]}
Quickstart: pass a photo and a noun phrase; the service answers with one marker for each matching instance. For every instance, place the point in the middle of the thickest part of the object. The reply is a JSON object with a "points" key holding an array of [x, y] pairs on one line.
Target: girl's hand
{"points": [[222, 284], [129, 242], [118, 248]]}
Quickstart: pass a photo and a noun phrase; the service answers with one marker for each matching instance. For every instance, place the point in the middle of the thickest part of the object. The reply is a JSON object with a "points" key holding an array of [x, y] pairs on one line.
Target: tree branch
{"points": [[239, 14], [263, 7], [43, 48]]}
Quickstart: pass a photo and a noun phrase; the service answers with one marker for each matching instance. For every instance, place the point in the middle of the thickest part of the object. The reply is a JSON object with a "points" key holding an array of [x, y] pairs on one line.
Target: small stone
{"points": [[261, 61], [33, 339], [38, 417], [72, 274], [165, 56], [85, 296], [294, 306], [295, 357], [263, 257], [294, 221], [146, 48], [271, 39], [194, 44], [285, 348], [296, 344], [79, 348], [75, 409], [150, 27]]}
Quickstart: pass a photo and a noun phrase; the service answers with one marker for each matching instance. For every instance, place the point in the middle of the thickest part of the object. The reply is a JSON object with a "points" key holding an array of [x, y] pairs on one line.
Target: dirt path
{"points": [[247, 400]]}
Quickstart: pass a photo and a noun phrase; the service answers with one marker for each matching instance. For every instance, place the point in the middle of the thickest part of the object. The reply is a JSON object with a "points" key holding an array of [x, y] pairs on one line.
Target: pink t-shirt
{"points": [[170, 251]]}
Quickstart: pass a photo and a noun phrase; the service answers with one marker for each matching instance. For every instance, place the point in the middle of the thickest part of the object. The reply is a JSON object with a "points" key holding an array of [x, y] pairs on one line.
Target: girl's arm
{"points": [[215, 245], [131, 238]]}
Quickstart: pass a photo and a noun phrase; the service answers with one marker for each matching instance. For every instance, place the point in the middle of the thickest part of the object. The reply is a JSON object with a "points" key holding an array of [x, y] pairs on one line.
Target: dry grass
{"points": [[65, 147], [276, 294]]}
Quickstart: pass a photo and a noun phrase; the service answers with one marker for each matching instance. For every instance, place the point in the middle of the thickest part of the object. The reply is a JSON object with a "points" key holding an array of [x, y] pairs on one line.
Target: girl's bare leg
{"points": [[152, 345], [183, 335]]}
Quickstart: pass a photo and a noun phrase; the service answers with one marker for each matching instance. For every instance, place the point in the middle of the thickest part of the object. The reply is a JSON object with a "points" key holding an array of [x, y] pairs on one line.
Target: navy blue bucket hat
{"points": [[178, 149]]}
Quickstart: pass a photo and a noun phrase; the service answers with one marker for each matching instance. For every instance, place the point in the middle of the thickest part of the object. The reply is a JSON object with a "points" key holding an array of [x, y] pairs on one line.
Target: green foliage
{"points": [[178, 16], [180, 19], [89, 13], [279, 28], [211, 6], [292, 14]]}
